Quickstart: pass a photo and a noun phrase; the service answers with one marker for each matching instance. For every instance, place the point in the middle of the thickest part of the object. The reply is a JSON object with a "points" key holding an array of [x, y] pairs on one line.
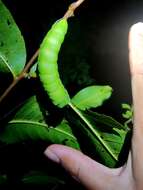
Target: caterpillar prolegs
{"points": [[47, 63]]}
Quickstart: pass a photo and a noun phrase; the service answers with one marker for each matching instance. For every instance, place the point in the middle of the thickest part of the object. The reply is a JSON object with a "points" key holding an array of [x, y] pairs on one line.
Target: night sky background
{"points": [[101, 26]]}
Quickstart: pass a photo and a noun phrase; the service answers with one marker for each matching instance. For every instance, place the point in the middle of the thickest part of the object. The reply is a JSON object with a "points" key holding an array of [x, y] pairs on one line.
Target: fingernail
{"points": [[52, 156]]}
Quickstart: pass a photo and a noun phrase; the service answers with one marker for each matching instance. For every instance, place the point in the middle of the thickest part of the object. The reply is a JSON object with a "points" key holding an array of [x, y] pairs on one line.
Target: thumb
{"points": [[87, 171]]}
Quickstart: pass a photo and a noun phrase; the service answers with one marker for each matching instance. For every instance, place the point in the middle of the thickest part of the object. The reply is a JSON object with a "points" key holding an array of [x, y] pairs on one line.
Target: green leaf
{"points": [[126, 106], [127, 114], [32, 72], [106, 120], [3, 179], [91, 97], [107, 139], [12, 46], [40, 178], [64, 135], [29, 124], [128, 111]]}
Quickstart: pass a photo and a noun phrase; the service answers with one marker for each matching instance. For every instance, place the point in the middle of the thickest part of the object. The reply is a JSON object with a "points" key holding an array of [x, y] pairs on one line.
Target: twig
{"points": [[69, 13], [30, 62], [20, 77], [71, 9]]}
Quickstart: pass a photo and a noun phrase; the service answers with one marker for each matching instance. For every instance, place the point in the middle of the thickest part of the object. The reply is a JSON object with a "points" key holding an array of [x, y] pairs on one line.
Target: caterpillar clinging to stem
{"points": [[47, 63], [48, 56]]}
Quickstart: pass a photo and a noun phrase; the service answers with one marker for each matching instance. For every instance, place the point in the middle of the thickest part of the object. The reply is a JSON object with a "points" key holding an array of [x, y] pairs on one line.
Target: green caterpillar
{"points": [[47, 63]]}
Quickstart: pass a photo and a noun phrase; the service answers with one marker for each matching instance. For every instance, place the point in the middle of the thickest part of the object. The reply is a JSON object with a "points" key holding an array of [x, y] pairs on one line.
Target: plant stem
{"points": [[20, 77], [69, 13], [71, 9], [30, 62]]}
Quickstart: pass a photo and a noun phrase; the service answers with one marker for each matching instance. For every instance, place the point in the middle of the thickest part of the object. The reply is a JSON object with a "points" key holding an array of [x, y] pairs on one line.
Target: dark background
{"points": [[102, 27]]}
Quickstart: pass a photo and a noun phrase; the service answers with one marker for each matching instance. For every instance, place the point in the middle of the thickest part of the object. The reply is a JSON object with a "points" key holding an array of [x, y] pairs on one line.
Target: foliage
{"points": [[91, 97], [37, 121], [12, 47], [127, 114]]}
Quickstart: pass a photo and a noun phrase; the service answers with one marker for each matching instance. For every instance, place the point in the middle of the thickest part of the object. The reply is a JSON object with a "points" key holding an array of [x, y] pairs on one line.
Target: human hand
{"points": [[93, 175]]}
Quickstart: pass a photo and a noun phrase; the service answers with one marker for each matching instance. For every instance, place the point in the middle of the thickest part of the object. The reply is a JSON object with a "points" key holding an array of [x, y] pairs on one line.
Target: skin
{"points": [[90, 173]]}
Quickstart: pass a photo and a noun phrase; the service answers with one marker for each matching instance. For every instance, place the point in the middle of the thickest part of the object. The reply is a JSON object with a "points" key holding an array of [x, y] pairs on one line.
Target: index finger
{"points": [[136, 67]]}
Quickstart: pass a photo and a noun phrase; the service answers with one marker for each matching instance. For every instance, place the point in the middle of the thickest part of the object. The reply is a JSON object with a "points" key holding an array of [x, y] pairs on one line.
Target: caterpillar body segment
{"points": [[47, 63]]}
